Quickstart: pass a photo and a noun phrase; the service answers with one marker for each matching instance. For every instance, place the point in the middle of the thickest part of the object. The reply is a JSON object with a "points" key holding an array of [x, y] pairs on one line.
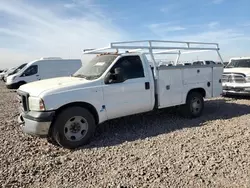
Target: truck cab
{"points": [[113, 85]]}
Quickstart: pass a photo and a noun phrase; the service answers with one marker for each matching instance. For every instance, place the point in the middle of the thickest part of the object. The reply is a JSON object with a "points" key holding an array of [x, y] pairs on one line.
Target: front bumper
{"points": [[236, 90], [36, 123]]}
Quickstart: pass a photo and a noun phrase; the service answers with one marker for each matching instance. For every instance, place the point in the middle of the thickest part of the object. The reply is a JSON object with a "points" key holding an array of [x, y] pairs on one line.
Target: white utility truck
{"points": [[236, 77], [114, 84], [44, 68]]}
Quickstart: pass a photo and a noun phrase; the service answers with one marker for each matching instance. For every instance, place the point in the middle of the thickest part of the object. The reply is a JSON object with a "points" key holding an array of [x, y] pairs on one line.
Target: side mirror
{"points": [[117, 77]]}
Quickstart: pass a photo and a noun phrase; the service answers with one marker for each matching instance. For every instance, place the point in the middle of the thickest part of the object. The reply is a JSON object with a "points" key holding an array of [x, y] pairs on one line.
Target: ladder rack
{"points": [[152, 48]]}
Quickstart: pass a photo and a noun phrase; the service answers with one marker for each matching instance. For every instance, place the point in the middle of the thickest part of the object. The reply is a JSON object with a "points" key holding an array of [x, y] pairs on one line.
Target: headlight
{"points": [[36, 104]]}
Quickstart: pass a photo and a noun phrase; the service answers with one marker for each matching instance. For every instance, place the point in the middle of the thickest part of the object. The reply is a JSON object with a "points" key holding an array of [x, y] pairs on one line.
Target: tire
{"points": [[73, 127], [194, 105]]}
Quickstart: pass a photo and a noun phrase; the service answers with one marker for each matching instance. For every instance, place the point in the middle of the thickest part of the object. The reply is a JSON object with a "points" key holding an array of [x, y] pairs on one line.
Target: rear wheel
{"points": [[194, 105], [73, 127]]}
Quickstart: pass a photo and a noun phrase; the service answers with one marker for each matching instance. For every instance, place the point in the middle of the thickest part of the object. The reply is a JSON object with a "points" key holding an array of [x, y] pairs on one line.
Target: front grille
{"points": [[233, 78], [236, 89], [23, 101], [20, 103]]}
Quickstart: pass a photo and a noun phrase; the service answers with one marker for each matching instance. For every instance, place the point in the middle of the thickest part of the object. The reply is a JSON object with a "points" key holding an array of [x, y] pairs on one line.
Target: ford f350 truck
{"points": [[115, 84]]}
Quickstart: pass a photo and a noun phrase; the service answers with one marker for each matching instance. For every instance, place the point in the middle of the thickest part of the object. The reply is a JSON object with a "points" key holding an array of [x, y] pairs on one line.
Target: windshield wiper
{"points": [[92, 77], [79, 75]]}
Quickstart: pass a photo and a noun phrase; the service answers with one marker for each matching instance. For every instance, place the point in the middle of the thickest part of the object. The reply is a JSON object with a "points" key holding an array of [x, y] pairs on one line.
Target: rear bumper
{"points": [[36, 123]]}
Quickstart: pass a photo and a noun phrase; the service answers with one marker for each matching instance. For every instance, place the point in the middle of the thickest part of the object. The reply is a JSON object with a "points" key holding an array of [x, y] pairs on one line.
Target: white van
{"points": [[43, 68]]}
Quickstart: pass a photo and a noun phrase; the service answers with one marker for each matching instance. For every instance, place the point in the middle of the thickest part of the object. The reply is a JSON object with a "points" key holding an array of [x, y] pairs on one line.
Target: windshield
{"points": [[239, 63], [96, 67], [19, 68]]}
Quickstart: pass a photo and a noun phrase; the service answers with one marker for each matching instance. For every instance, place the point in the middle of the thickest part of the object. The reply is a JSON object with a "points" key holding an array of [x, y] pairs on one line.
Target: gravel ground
{"points": [[158, 149]]}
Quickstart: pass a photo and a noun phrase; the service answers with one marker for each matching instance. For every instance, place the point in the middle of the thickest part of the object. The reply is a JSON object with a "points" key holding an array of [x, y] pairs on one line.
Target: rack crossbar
{"points": [[149, 45]]}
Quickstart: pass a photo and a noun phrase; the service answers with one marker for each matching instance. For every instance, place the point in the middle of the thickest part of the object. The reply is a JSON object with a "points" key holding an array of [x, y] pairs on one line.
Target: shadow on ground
{"points": [[151, 124]]}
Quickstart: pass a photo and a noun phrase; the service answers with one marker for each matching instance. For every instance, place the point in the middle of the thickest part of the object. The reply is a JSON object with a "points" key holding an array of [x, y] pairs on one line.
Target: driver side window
{"points": [[31, 71], [131, 67]]}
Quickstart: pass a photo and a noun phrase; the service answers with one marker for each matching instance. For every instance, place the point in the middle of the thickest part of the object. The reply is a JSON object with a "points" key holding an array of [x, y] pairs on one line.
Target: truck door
{"points": [[131, 96]]}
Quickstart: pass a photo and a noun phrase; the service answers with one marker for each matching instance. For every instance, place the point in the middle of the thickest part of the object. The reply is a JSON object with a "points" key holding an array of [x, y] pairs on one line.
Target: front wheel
{"points": [[194, 105], [73, 127]]}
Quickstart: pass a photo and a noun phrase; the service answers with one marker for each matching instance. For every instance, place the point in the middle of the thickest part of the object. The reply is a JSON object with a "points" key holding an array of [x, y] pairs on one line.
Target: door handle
{"points": [[147, 85], [37, 75]]}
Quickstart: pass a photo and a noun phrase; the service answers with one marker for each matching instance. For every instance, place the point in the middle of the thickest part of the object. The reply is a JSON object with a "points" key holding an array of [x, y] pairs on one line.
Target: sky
{"points": [[31, 29]]}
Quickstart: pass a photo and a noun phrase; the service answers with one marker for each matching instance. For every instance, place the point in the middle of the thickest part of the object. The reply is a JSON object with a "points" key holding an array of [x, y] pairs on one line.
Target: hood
{"points": [[245, 71], [38, 87]]}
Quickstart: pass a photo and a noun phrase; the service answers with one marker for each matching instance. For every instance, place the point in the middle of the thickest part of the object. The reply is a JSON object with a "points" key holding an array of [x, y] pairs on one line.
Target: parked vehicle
{"points": [[236, 77], [114, 85], [14, 71], [9, 71], [43, 68], [2, 74]]}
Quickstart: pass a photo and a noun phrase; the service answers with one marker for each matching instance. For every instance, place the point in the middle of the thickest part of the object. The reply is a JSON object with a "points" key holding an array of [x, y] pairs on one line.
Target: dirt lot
{"points": [[157, 149]]}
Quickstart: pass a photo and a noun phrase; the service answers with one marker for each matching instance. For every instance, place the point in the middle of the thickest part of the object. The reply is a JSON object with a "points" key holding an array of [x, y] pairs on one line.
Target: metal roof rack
{"points": [[150, 45], [152, 48]]}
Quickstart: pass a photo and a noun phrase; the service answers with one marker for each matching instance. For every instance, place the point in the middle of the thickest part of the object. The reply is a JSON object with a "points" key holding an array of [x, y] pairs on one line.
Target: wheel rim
{"points": [[76, 128], [196, 105]]}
